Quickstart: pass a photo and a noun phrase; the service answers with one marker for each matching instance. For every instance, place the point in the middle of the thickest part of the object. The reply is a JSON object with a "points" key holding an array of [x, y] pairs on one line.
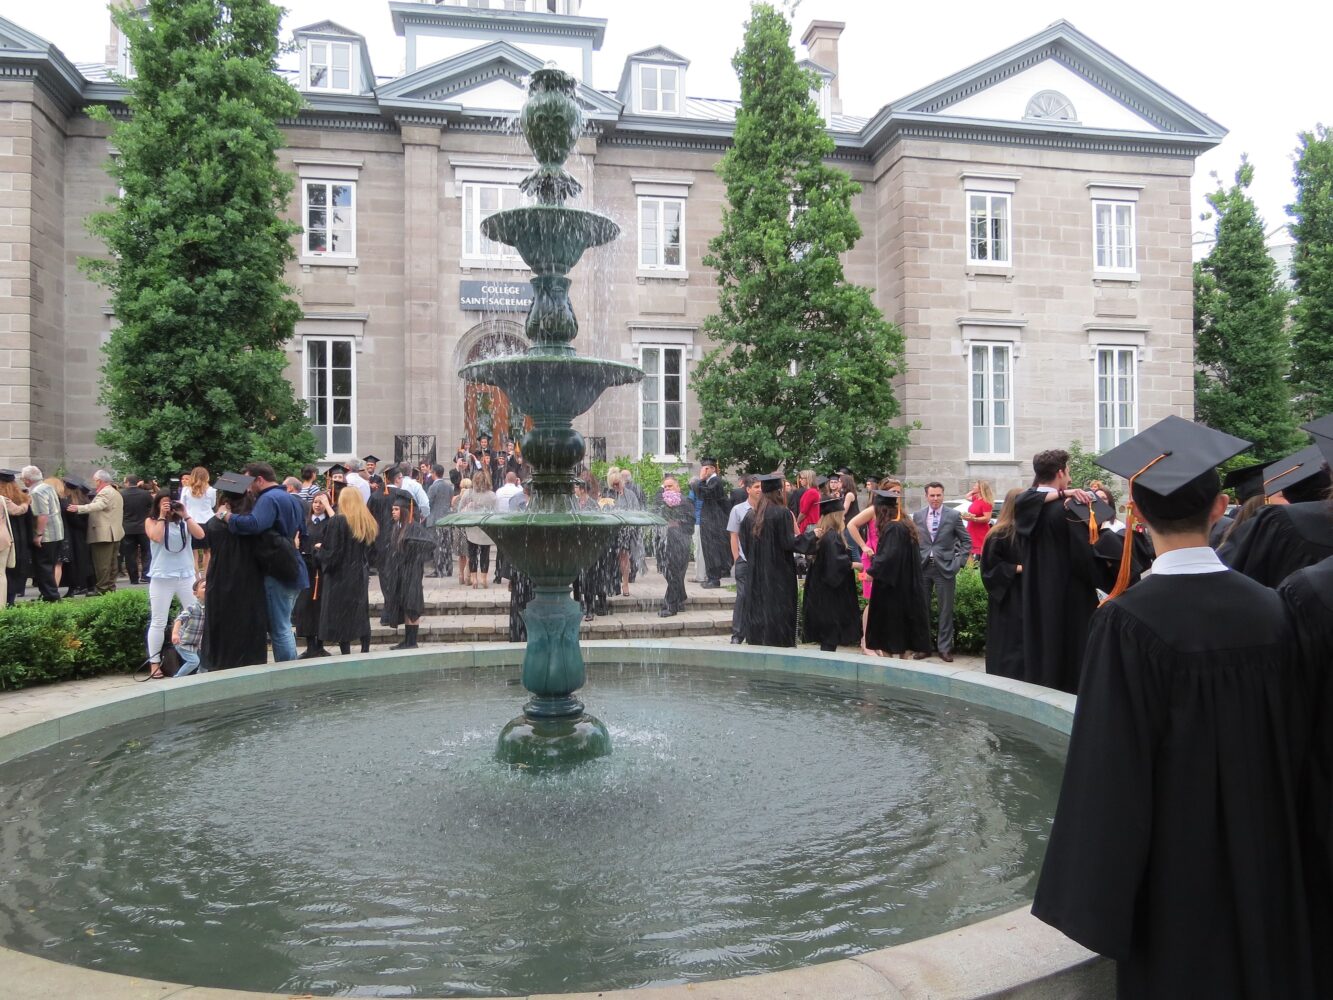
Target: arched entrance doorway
{"points": [[487, 410]]}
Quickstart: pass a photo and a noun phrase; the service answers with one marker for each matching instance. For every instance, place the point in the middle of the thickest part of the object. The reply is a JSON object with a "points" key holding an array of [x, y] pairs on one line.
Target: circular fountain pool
{"points": [[359, 837]]}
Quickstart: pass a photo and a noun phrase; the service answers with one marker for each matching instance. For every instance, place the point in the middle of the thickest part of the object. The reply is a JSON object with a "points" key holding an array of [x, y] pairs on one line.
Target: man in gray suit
{"points": [[945, 545]]}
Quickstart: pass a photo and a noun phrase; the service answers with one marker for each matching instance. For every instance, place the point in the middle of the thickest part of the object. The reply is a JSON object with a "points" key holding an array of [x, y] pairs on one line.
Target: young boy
{"points": [[188, 632]]}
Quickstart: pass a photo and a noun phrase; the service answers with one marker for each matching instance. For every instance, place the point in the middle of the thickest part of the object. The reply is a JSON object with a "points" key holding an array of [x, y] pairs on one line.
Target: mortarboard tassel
{"points": [[1267, 498], [1127, 553]]}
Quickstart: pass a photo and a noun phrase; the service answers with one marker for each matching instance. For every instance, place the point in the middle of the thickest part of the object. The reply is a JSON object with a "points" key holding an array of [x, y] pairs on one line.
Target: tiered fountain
{"points": [[552, 541]]}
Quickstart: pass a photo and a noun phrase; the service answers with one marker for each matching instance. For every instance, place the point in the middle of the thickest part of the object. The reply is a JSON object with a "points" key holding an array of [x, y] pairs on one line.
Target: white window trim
{"points": [[329, 337], [991, 262], [1012, 347], [353, 66], [330, 172], [1136, 353], [685, 357], [508, 258], [1130, 272], [662, 267], [678, 89], [335, 258]]}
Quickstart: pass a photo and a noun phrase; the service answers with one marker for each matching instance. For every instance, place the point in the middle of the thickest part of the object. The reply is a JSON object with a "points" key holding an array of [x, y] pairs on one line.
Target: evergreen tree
{"points": [[1312, 312], [1240, 346], [194, 370], [804, 364]]}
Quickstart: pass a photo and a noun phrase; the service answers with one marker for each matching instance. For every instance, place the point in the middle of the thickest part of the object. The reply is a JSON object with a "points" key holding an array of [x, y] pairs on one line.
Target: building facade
{"points": [[1026, 223]]}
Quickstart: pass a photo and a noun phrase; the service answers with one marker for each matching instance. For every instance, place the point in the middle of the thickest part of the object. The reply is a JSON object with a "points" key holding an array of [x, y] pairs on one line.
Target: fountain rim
{"points": [[1006, 952]]}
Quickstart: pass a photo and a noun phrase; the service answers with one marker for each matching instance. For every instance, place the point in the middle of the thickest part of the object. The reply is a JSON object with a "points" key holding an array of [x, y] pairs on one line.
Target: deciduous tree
{"points": [[1312, 268]]}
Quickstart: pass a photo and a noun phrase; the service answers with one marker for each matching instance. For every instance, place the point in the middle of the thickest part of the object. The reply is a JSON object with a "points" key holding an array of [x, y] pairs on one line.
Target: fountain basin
{"points": [[550, 545], [541, 384], [1011, 952], [550, 238]]}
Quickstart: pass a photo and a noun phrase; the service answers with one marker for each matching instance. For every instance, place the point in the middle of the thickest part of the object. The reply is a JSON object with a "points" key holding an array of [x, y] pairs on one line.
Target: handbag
{"points": [[277, 557]]}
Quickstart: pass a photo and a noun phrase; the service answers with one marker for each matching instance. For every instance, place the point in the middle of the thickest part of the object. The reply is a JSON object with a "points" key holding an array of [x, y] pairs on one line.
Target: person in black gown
{"points": [[770, 544], [831, 612], [305, 615], [1001, 569], [1284, 537], [78, 576], [236, 626], [345, 550], [1174, 849], [1059, 583], [896, 617], [712, 489], [411, 545]]}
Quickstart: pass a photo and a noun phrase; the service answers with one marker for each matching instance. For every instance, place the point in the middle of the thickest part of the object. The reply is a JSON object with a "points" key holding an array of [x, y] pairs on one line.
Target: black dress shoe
{"points": [[947, 657], [920, 656], [736, 640], [711, 584], [666, 613]]}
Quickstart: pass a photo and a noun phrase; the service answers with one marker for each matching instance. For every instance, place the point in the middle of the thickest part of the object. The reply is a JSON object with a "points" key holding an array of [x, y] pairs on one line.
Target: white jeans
{"points": [[160, 593]]}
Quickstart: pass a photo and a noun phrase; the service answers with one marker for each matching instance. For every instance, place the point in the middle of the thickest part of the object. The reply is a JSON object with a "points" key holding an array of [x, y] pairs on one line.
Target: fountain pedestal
{"points": [[552, 541]]}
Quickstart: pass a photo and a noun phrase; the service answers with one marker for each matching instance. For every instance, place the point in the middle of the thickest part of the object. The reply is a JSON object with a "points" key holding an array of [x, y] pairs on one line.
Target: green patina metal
{"points": [[552, 541]]}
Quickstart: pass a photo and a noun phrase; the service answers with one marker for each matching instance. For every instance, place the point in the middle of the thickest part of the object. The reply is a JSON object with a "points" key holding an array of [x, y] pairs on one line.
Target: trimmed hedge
{"points": [[969, 611], [45, 642]]}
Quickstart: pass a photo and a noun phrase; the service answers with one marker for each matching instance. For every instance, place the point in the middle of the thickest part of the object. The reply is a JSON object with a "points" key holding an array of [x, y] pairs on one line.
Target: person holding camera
{"points": [[170, 569]]}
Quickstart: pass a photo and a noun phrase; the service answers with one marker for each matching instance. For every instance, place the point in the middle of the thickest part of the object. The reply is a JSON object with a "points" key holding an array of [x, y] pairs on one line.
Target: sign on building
{"points": [[495, 296]]}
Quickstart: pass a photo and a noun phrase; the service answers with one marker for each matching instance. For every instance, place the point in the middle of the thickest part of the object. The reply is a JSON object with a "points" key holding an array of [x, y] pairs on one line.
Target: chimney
{"points": [[821, 41]]}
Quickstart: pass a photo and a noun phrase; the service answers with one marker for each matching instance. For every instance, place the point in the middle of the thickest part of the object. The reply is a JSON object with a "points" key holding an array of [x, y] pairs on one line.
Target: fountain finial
{"points": [[551, 121]]}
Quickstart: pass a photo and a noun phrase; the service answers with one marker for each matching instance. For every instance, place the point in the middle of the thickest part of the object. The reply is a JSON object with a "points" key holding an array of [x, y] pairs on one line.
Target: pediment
{"points": [[1105, 93], [327, 28], [14, 37], [658, 53], [492, 77]]}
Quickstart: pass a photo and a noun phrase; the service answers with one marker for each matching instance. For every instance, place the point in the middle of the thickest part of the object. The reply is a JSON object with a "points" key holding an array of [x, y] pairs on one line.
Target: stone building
{"points": [[1026, 222]]}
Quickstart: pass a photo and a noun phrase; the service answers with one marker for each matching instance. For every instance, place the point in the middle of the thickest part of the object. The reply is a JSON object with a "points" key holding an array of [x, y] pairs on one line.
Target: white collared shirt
{"points": [[1192, 561]]}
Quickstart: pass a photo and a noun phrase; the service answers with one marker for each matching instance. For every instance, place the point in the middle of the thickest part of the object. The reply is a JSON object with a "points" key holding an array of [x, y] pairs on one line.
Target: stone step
{"points": [[618, 625], [496, 602]]}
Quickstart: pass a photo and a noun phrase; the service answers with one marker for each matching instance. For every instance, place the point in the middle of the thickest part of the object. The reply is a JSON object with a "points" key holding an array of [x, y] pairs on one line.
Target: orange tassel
{"points": [[1267, 498], [1127, 554], [314, 593], [1092, 526]]}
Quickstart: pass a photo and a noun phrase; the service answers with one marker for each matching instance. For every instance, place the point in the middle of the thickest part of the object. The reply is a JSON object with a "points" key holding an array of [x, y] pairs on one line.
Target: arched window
{"points": [[1051, 105]]}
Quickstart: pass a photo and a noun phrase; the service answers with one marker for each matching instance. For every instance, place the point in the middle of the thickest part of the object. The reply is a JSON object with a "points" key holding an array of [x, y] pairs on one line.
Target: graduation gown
{"points": [[21, 572], [832, 613], [713, 526], [770, 611], [344, 583], [1059, 591], [1280, 539], [236, 626], [896, 616], [381, 509], [78, 573], [1000, 559], [410, 547], [306, 613], [1175, 848]]}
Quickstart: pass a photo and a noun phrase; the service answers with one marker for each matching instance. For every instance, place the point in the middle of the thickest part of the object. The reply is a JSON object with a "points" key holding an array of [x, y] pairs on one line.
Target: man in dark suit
{"points": [[945, 545], [138, 504]]}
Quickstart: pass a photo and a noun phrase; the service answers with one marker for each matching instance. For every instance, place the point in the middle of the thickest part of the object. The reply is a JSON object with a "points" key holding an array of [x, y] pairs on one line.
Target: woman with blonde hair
{"points": [[480, 499], [832, 613], [199, 498], [343, 553], [978, 514], [1001, 566], [460, 534]]}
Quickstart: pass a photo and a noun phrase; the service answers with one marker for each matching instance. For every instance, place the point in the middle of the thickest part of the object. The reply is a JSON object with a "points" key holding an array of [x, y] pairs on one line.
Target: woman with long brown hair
{"points": [[771, 541], [344, 552], [199, 498], [1001, 566], [896, 615], [832, 615]]}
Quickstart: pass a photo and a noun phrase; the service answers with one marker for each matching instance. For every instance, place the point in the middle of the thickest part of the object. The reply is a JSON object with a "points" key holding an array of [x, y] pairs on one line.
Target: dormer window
{"points": [[329, 66], [659, 90]]}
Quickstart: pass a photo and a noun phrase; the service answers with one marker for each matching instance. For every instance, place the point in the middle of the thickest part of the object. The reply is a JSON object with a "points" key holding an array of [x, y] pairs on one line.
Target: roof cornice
{"points": [[405, 12]]}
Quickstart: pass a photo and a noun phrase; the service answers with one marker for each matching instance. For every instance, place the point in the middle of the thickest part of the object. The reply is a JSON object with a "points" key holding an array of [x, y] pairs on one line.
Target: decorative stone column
{"points": [[423, 393]]}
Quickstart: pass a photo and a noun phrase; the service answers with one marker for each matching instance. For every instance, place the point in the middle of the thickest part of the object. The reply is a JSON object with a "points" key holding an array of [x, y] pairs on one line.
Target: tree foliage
{"points": [[803, 368], [194, 370], [1240, 345], [1312, 267]]}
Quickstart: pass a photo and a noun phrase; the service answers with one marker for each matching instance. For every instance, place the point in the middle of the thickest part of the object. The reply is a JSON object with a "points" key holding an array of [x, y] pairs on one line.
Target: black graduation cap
{"points": [[887, 498], [821, 481], [233, 482], [709, 460], [1247, 482], [75, 483], [1172, 466], [1293, 470], [371, 458], [844, 471], [8, 475], [337, 469], [1075, 511], [769, 483], [1322, 429], [830, 506], [398, 496]]}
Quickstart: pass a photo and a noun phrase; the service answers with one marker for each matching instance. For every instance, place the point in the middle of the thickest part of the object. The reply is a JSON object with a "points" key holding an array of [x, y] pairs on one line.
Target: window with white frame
{"points": [[329, 215], [662, 401], [991, 396], [659, 89], [1117, 396], [661, 232], [480, 202], [330, 393], [329, 65], [988, 230], [1113, 235]]}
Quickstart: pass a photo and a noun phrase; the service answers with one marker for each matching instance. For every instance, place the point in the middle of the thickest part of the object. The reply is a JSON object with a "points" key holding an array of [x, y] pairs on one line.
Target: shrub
{"points": [[969, 611], [41, 643]]}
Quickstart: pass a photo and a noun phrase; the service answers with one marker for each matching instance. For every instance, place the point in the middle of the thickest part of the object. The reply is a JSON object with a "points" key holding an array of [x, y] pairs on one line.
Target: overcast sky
{"points": [[1257, 68]]}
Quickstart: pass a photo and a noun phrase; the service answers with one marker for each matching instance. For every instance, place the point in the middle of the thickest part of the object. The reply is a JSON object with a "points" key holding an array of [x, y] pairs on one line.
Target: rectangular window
{"points": [[988, 228], [662, 402], [991, 391], [480, 201], [658, 90], [330, 393], [328, 65], [1113, 235], [1117, 394], [661, 232], [330, 218]]}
